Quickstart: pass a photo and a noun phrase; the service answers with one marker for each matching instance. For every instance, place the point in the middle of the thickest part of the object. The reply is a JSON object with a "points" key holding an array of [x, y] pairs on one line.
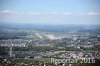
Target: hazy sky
{"points": [[50, 11]]}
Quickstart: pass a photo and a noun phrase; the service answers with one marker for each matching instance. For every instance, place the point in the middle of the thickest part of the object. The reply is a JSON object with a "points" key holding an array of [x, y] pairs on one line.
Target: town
{"points": [[66, 45]]}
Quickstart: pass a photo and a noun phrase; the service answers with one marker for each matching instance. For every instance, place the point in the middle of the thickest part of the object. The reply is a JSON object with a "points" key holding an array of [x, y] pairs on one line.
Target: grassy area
{"points": [[60, 51], [32, 59]]}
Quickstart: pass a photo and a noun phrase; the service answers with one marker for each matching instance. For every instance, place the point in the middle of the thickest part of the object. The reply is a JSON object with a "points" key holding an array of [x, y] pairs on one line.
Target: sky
{"points": [[50, 11]]}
